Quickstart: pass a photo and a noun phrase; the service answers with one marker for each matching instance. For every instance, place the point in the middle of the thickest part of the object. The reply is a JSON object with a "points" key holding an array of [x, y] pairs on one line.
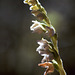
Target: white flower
{"points": [[37, 27], [43, 45]]}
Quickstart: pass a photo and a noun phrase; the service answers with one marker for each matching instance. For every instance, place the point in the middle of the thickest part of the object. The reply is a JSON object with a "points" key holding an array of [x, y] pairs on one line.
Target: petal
{"points": [[46, 64], [37, 27], [49, 66]]}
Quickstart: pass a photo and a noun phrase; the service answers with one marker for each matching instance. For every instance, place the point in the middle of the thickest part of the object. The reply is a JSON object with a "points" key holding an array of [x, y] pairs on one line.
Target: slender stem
{"points": [[55, 43], [58, 59], [61, 70]]}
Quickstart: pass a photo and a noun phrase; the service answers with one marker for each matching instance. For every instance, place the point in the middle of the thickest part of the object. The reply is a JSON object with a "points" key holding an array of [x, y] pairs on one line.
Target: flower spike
{"points": [[48, 49]]}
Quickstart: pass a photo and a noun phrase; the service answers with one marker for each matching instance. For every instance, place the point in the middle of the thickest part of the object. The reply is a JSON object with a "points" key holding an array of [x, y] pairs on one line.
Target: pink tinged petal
{"points": [[46, 64], [49, 66]]}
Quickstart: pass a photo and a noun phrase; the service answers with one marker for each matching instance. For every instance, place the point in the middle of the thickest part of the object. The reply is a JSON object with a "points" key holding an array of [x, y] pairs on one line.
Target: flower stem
{"points": [[61, 70]]}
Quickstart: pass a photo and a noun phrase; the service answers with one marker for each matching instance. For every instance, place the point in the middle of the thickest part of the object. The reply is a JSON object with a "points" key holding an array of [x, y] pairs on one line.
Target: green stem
{"points": [[59, 67], [61, 70], [57, 58], [55, 42], [47, 23]]}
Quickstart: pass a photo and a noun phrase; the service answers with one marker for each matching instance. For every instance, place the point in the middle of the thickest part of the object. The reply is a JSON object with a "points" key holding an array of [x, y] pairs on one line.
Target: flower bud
{"points": [[30, 2], [50, 31], [41, 16], [35, 12], [34, 7]]}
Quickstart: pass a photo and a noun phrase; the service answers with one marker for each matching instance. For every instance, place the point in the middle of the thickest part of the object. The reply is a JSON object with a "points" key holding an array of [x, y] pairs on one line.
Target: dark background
{"points": [[18, 44]]}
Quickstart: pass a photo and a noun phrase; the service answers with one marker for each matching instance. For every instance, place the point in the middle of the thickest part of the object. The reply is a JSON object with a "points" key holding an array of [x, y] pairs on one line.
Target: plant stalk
{"points": [[61, 70]]}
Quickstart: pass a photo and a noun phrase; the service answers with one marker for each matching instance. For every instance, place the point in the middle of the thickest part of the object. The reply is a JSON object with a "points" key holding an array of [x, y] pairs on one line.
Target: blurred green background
{"points": [[18, 45]]}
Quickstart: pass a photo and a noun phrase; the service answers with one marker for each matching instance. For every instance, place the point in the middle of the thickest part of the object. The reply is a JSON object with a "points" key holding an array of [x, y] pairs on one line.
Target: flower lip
{"points": [[45, 64], [49, 66]]}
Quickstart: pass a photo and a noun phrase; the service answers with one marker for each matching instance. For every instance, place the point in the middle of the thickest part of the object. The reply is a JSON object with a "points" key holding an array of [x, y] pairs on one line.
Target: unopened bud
{"points": [[30, 2], [50, 31], [34, 7], [41, 16], [35, 12]]}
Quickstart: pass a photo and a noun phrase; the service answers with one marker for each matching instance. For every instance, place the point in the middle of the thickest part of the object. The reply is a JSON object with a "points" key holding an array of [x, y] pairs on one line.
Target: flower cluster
{"points": [[38, 27], [37, 10], [47, 49], [41, 27], [44, 50]]}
